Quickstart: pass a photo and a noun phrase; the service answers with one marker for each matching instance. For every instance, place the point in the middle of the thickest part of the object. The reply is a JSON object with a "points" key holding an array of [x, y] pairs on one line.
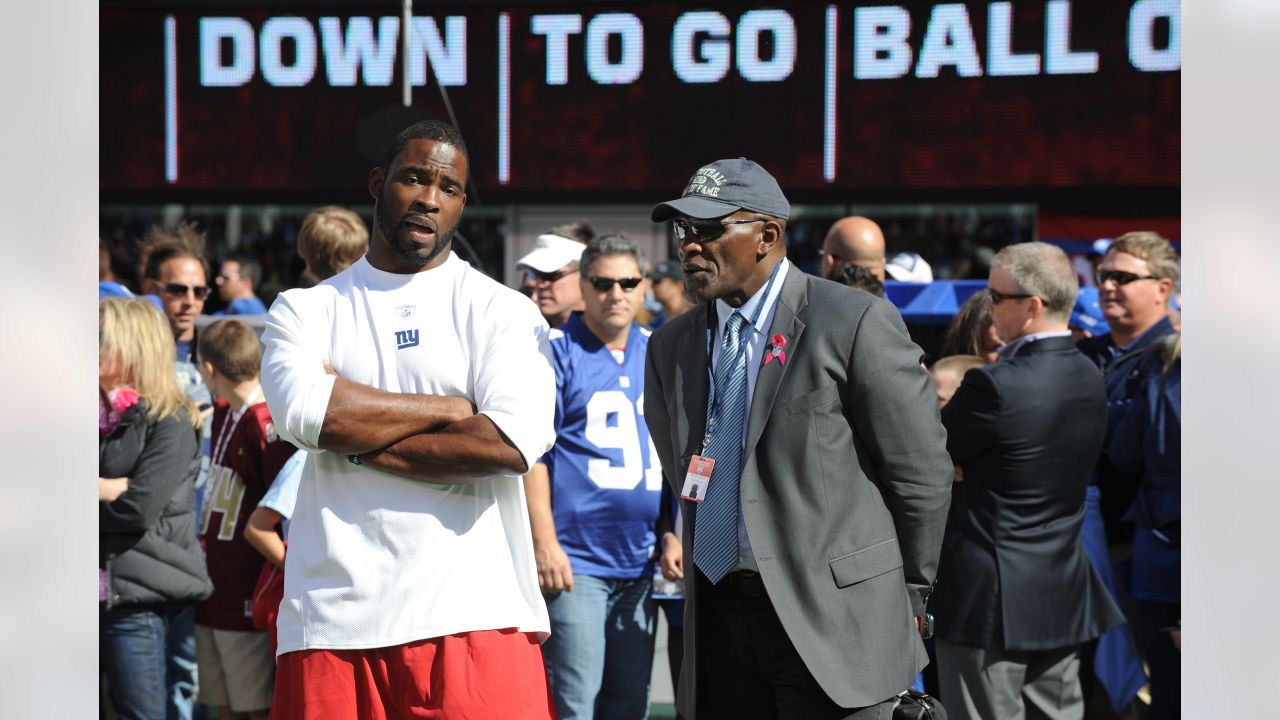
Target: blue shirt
{"points": [[605, 477], [244, 306]]}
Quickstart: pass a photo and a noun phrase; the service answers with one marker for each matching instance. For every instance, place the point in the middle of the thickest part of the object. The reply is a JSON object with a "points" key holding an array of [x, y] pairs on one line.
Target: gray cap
{"points": [[724, 187]]}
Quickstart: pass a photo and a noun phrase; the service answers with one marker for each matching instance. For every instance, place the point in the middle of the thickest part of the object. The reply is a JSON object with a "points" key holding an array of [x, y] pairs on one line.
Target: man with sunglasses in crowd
{"points": [[239, 275], [795, 420], [552, 269], [1017, 597], [175, 272], [593, 498], [1135, 280], [1136, 277]]}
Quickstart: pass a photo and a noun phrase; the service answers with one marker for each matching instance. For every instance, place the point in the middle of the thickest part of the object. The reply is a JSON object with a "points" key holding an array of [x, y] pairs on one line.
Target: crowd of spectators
{"points": [[1106, 418]]}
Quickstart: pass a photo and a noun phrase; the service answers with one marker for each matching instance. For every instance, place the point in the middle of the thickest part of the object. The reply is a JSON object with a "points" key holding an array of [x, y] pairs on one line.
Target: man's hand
{"points": [[111, 488], [555, 574], [671, 559], [959, 475]]}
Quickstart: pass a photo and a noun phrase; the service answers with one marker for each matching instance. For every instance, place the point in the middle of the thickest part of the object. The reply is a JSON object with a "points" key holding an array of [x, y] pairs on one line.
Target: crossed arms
{"points": [[432, 438], [429, 438]]}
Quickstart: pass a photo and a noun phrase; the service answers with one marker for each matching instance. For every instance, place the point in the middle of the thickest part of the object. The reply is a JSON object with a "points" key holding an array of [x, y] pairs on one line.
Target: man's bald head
{"points": [[857, 240]]}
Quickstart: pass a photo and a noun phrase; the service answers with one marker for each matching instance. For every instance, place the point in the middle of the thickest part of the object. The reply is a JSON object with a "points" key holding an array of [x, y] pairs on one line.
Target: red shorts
{"points": [[482, 675]]}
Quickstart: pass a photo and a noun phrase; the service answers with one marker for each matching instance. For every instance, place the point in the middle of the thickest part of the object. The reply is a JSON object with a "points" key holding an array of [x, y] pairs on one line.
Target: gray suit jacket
{"points": [[845, 481]]}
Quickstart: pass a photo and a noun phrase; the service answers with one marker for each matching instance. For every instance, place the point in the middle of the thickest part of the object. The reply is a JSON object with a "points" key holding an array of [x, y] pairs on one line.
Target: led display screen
{"points": [[631, 98]]}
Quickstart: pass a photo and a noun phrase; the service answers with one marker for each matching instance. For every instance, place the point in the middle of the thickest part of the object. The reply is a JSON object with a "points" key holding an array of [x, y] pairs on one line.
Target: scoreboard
{"points": [[629, 98]]}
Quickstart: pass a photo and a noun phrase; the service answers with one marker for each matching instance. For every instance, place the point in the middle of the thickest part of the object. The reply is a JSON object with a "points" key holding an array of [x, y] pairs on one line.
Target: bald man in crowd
{"points": [[856, 240]]}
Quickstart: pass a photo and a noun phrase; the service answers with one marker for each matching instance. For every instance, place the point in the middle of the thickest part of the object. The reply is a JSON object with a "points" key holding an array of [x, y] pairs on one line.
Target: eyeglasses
{"points": [[539, 276], [178, 290], [707, 229], [1121, 278], [226, 277], [605, 284], [996, 297]]}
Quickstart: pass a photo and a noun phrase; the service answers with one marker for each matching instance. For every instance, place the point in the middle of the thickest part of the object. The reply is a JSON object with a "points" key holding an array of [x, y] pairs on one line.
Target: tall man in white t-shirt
{"points": [[423, 390]]}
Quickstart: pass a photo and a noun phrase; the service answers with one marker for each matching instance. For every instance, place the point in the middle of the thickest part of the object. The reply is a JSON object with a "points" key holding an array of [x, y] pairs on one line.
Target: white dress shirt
{"points": [[755, 345]]}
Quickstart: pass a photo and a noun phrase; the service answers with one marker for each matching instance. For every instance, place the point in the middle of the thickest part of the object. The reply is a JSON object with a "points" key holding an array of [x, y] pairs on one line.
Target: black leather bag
{"points": [[912, 705]]}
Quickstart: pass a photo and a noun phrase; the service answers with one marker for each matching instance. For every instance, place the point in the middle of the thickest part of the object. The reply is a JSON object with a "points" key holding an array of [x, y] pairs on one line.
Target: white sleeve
{"points": [[296, 387], [283, 493], [515, 383]]}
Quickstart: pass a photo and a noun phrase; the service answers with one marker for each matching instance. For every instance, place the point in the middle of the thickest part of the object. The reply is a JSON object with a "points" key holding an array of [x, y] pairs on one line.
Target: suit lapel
{"points": [[691, 352], [792, 300]]}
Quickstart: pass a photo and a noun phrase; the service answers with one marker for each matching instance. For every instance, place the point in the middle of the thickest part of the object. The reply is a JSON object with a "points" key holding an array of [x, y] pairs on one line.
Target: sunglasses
{"points": [[1121, 278], [178, 290], [605, 284], [539, 276], [998, 297], [707, 229]]}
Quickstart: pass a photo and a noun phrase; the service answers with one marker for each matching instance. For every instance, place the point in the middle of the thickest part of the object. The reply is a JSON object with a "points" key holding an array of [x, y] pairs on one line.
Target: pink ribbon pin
{"points": [[775, 350]]}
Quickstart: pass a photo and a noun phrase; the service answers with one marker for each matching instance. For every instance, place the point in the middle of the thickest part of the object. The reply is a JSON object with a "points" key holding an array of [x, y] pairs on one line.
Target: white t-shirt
{"points": [[378, 560]]}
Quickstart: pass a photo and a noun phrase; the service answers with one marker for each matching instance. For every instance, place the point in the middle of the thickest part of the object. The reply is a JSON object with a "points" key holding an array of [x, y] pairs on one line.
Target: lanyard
{"points": [[229, 429], [713, 398]]}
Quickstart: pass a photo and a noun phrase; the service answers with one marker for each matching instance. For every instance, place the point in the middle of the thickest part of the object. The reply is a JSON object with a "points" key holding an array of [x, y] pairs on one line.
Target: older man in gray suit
{"points": [[801, 412]]}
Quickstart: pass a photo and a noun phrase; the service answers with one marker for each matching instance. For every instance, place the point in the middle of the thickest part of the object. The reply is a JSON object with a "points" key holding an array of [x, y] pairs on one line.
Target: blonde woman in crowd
{"points": [[148, 458]]}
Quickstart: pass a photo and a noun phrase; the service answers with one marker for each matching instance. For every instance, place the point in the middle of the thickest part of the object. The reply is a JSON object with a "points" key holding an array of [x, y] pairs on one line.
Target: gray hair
{"points": [[611, 244], [1042, 270]]}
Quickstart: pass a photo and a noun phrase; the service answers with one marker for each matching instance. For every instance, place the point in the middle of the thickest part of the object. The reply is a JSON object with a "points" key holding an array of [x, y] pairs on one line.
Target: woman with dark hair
{"points": [[972, 332], [148, 458]]}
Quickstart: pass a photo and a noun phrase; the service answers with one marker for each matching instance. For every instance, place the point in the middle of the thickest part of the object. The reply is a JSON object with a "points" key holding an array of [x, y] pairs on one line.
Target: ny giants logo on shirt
{"points": [[406, 339]]}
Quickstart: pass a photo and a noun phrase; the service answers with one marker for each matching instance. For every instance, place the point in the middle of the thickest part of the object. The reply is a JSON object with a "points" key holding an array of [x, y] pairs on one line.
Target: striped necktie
{"points": [[715, 546]]}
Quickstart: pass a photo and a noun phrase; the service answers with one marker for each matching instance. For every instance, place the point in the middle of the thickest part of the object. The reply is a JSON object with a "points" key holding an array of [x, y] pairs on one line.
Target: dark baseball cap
{"points": [[667, 270], [724, 187]]}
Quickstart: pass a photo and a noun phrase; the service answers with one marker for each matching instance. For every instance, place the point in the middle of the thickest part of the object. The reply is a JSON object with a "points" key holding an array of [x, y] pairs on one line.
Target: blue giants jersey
{"points": [[605, 478]]}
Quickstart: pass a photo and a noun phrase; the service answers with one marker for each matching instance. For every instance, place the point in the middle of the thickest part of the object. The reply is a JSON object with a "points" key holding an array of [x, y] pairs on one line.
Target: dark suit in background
{"points": [[1016, 595]]}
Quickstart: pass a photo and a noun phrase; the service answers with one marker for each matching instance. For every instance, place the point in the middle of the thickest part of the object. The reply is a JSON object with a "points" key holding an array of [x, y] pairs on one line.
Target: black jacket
{"points": [[147, 537], [1014, 574]]}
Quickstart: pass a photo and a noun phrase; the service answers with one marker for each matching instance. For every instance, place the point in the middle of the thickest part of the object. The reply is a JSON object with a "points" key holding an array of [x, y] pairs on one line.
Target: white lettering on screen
{"points": [[762, 44], [557, 29], [700, 62], [630, 31], [1143, 54], [880, 49], [948, 40], [358, 48]]}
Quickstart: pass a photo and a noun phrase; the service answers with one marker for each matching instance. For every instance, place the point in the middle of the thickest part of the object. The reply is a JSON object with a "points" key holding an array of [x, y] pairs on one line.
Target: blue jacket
{"points": [[1147, 438]]}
